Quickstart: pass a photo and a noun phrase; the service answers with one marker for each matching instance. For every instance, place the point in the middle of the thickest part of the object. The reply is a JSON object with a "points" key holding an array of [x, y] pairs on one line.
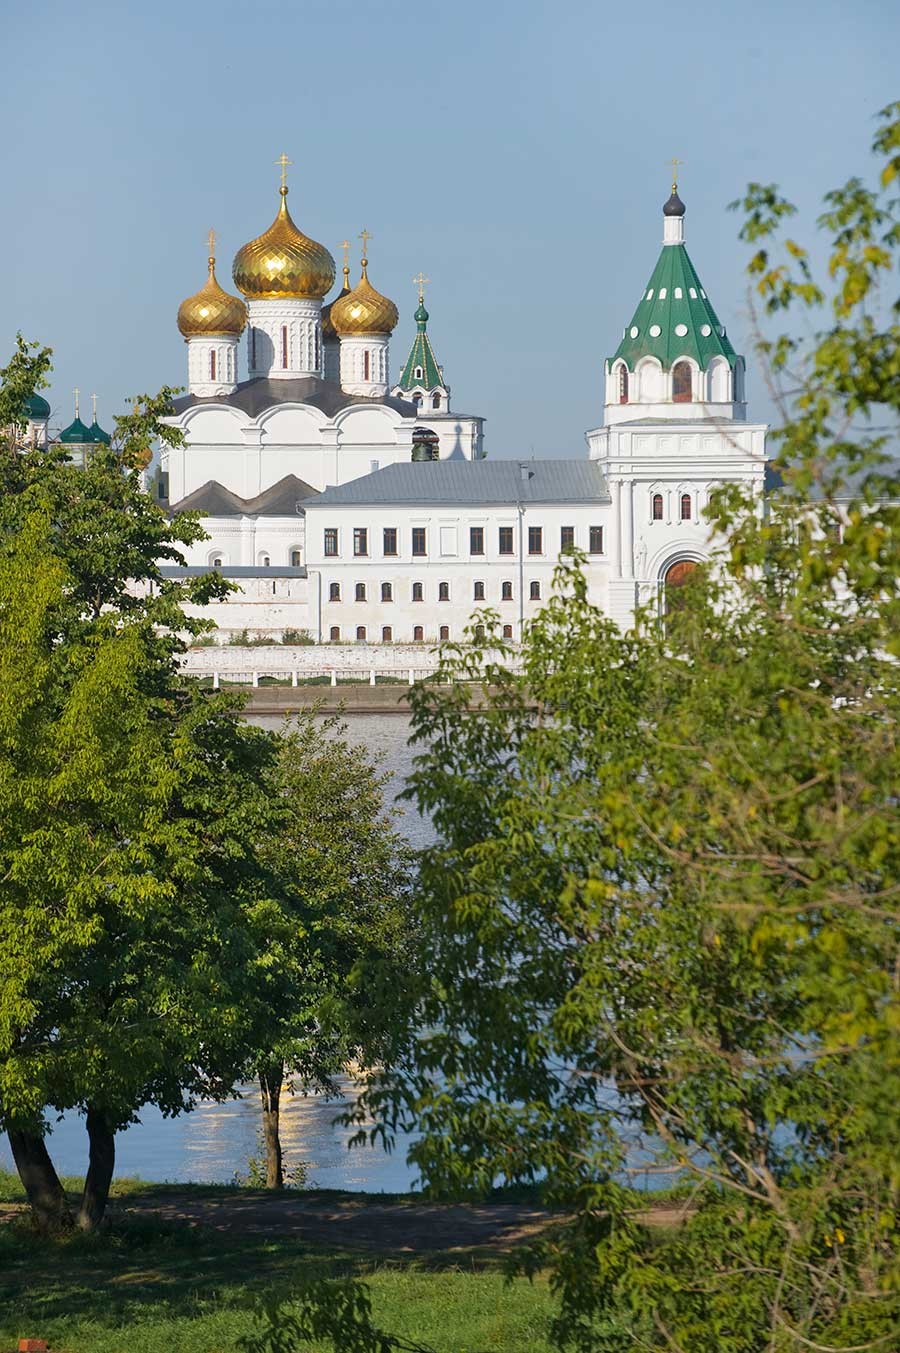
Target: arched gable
{"points": [[214, 425], [291, 425], [371, 425]]}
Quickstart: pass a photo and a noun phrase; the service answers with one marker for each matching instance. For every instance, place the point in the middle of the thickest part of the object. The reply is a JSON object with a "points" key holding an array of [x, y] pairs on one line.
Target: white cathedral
{"points": [[362, 511]]}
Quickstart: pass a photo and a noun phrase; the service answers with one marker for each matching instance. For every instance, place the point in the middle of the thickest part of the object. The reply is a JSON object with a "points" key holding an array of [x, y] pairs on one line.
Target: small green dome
{"points": [[96, 434], [76, 433], [421, 315], [37, 408]]}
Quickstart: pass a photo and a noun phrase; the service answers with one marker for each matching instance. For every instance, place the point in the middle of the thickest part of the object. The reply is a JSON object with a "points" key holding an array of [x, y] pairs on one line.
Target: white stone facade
{"points": [[284, 338]]}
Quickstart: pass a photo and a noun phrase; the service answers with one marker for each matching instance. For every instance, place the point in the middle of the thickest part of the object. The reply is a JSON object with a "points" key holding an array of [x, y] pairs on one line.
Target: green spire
{"points": [[674, 317], [421, 355]]}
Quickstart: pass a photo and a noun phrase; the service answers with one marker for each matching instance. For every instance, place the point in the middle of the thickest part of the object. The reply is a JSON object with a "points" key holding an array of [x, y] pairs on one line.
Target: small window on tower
{"points": [[435, 401], [367, 366], [284, 347], [623, 384], [212, 365], [681, 383], [418, 373]]}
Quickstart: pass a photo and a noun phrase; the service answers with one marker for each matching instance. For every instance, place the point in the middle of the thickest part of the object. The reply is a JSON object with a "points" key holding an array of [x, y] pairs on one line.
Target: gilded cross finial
{"points": [[211, 242], [675, 163], [284, 162], [76, 392], [94, 407], [365, 237], [421, 282], [345, 245]]}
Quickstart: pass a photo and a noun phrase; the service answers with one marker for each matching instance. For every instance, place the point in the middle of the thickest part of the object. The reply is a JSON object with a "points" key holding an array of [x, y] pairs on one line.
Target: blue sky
{"points": [[516, 152]]}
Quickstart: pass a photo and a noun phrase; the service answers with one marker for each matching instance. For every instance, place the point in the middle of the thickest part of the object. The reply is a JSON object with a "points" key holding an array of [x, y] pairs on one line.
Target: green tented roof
{"points": [[421, 354], [674, 317], [76, 432]]}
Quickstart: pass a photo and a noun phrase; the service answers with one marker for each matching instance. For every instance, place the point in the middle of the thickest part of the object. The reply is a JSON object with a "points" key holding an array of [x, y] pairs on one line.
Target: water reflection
{"points": [[214, 1141]]}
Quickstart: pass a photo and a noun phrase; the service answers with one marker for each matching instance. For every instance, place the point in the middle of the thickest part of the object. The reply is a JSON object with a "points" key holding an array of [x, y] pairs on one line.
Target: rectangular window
{"points": [[334, 591], [418, 540], [443, 591], [506, 592], [334, 634], [506, 540], [476, 540], [535, 591], [360, 592], [448, 542], [390, 540], [535, 540], [284, 347], [360, 540], [596, 540], [479, 592], [418, 592], [387, 591], [331, 541], [566, 537]]}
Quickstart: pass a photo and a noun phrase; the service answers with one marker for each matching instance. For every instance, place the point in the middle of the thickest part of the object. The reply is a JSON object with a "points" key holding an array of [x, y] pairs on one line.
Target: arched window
{"points": [[360, 591], [681, 383], [622, 383], [444, 633], [506, 592], [296, 558], [360, 634], [435, 401], [387, 634], [443, 591], [366, 365], [478, 593], [387, 591], [334, 634], [284, 347], [507, 631], [417, 400], [216, 561], [334, 591], [318, 349], [418, 634], [252, 339], [264, 560], [212, 364], [656, 510], [534, 591], [418, 373], [686, 507]]}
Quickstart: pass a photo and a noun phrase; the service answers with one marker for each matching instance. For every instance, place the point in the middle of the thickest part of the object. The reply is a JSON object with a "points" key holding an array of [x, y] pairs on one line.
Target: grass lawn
{"points": [[153, 1287]]}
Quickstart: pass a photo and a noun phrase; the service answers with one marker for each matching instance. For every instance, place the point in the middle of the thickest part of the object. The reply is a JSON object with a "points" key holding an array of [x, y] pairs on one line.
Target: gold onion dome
{"points": [[363, 310], [283, 262], [212, 310]]}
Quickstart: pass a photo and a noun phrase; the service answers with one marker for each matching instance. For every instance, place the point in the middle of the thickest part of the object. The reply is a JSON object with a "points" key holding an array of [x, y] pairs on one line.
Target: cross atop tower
{"points": [[365, 237], [421, 282], [76, 392], [211, 243], [675, 163], [284, 162], [94, 407]]}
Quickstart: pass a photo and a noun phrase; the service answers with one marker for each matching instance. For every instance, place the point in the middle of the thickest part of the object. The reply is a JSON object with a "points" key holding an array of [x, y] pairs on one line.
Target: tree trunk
{"points": [[40, 1181], [101, 1163], [270, 1077]]}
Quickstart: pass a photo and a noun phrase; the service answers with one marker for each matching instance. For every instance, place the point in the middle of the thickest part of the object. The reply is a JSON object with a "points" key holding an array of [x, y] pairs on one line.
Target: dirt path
{"points": [[392, 1228]]}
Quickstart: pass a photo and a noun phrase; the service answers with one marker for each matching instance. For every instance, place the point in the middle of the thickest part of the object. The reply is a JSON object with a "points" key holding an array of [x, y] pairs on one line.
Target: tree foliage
{"points": [[662, 907]]}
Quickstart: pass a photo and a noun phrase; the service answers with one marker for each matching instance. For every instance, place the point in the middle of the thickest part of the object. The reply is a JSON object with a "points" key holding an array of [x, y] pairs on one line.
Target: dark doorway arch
{"points": [[674, 579]]}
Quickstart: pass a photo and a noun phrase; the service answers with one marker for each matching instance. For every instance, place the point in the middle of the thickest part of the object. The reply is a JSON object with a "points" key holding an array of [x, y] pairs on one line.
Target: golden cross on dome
{"points": [[345, 245], [284, 162], [76, 392], [675, 163], [365, 237], [211, 241], [94, 407], [421, 282]]}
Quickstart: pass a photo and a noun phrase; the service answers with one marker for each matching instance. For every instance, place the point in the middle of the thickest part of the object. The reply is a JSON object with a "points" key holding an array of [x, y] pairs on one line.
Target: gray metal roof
{"points": [[279, 500], [254, 397], [473, 482]]}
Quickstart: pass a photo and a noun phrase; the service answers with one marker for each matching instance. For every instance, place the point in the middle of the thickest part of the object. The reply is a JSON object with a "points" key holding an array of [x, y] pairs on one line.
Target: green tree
{"points": [[130, 804], [662, 909], [339, 940]]}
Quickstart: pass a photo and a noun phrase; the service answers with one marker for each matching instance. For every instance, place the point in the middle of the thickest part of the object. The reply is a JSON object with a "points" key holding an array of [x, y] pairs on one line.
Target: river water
{"points": [[214, 1142]]}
